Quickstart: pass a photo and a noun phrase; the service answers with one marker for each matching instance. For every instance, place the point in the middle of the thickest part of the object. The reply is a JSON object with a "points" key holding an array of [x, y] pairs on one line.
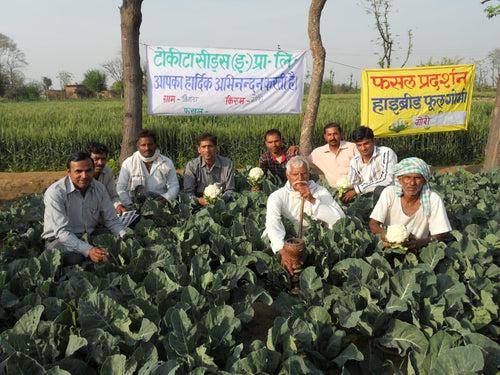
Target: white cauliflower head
{"points": [[256, 173], [212, 192], [343, 182], [397, 233]]}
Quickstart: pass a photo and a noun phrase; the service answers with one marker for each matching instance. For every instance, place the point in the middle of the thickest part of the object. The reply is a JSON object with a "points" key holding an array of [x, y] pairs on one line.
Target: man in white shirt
{"points": [[148, 171], [372, 169], [74, 206], [102, 173], [333, 158], [410, 202], [286, 201]]}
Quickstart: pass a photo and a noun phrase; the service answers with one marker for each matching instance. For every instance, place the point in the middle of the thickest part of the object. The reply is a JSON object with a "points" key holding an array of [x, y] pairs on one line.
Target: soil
{"points": [[16, 185]]}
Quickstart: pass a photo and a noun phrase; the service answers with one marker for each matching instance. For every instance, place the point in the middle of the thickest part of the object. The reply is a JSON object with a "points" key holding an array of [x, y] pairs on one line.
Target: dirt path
{"points": [[17, 185]]}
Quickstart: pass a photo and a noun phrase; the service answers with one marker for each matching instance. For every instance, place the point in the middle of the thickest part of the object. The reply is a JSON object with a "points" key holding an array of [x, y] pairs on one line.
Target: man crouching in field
{"points": [[411, 203], [147, 171], [74, 205], [207, 169], [286, 201]]}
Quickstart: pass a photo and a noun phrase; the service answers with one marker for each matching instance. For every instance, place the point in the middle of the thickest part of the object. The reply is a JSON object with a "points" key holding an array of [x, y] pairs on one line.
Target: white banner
{"points": [[196, 81]]}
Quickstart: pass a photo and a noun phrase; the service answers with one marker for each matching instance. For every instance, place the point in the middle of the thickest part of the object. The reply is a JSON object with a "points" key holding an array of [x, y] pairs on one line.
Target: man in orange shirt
{"points": [[333, 158]]}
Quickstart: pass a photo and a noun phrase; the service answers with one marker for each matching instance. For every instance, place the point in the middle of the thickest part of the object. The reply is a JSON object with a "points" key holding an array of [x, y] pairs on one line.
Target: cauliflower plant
{"points": [[343, 186], [212, 193], [255, 177]]}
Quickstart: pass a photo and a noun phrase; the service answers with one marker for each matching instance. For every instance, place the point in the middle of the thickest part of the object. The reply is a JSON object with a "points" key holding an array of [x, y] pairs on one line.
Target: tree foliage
{"points": [[491, 10], [12, 59], [47, 83], [94, 80]]}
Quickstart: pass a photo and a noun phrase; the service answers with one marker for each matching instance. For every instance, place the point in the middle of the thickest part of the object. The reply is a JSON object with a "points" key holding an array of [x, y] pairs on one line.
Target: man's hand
{"points": [[120, 209], [288, 263], [202, 201], [303, 188], [349, 196], [413, 244], [97, 255], [292, 151]]}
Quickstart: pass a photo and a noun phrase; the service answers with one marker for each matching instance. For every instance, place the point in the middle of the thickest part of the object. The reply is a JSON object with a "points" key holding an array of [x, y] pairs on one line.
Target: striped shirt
{"points": [[106, 178], [378, 171]]}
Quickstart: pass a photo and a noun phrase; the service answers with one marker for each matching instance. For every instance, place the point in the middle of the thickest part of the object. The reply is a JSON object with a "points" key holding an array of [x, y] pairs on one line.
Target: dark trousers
{"points": [[69, 258]]}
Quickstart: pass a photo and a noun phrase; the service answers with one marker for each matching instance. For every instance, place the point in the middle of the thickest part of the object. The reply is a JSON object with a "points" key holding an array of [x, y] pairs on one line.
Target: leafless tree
{"points": [[494, 60], [64, 78], [380, 9], [114, 69]]}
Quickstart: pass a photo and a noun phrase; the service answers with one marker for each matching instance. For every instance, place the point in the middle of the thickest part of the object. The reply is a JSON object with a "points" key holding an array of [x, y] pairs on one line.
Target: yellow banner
{"points": [[419, 100]]}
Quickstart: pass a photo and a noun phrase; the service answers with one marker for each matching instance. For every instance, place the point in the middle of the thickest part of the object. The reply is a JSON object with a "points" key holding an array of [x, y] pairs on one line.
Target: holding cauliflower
{"points": [[212, 193], [255, 178], [410, 204]]}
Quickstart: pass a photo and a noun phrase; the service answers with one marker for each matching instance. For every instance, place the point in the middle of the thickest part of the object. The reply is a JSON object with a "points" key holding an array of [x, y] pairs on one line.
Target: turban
{"points": [[415, 165]]}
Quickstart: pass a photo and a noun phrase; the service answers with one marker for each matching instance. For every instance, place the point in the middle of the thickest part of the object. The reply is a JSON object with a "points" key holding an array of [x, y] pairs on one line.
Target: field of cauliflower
{"points": [[181, 296]]}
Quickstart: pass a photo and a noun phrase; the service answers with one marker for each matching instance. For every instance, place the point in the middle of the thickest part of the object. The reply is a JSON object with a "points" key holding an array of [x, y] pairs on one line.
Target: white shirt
{"points": [[388, 211], [286, 201], [378, 171], [162, 179], [68, 213]]}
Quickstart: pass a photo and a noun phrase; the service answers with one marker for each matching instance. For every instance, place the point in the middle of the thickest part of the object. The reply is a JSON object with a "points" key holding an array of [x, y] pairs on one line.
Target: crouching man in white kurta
{"points": [[148, 171], [286, 201], [410, 202]]}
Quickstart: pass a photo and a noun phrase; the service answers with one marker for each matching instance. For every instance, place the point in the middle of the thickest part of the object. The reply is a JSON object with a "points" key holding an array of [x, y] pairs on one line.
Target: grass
{"points": [[40, 135]]}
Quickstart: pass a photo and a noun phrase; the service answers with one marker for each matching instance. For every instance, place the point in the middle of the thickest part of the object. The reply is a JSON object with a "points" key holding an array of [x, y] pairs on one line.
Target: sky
{"points": [[75, 36]]}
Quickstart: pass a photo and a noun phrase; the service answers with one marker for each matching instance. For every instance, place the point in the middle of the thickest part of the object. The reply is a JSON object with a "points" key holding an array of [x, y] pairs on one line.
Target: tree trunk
{"points": [[492, 150], [318, 56], [131, 18]]}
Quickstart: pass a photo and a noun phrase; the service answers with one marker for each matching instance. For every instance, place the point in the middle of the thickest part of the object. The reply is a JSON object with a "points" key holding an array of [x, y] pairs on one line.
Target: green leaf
{"points": [[258, 361], [461, 360], [50, 262], [219, 323], [56, 370], [297, 365], [114, 365], [28, 323], [404, 336], [403, 285], [438, 344], [98, 310], [490, 349], [21, 364], [182, 337], [310, 283], [101, 344], [351, 353], [74, 343], [432, 254], [357, 271]]}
